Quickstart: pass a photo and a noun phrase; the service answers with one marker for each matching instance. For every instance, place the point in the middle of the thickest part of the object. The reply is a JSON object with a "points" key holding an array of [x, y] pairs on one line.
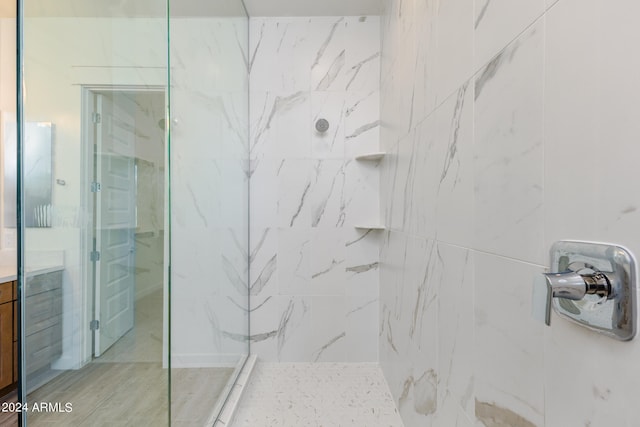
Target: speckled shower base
{"points": [[316, 394]]}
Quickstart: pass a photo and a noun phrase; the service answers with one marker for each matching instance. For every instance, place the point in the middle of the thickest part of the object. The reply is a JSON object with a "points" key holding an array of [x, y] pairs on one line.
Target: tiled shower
{"points": [[381, 271], [314, 275], [495, 117]]}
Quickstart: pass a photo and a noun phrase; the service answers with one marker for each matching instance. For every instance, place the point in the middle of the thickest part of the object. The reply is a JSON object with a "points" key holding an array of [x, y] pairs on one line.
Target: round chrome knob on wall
{"points": [[322, 125]]}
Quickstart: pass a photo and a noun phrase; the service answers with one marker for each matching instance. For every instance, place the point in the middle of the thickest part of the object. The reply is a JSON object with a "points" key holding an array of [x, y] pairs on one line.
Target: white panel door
{"points": [[115, 218]]}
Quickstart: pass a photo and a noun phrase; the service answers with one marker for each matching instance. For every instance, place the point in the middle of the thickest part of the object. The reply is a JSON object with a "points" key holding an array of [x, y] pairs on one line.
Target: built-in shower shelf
{"points": [[370, 227], [371, 156]]}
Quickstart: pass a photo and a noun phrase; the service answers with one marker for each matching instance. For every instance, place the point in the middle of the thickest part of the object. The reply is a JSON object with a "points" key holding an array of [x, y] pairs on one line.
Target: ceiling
{"points": [[130, 8], [313, 7], [194, 8]]}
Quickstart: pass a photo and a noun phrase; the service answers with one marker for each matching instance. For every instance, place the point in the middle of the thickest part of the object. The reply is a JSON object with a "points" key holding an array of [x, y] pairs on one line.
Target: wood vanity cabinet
{"points": [[43, 331], [43, 321], [8, 334]]}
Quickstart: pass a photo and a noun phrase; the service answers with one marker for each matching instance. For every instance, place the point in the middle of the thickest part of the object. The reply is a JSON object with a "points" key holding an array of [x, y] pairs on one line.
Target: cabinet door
{"points": [[6, 344], [15, 341]]}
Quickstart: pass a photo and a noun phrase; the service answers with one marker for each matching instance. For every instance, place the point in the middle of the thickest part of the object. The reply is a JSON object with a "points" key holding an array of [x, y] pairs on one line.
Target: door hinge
{"points": [[94, 325], [95, 187], [95, 256], [96, 118]]}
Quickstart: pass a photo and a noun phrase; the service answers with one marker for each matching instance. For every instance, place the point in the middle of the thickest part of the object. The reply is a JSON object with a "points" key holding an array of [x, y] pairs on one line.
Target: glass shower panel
{"points": [[209, 191], [8, 343], [94, 283]]}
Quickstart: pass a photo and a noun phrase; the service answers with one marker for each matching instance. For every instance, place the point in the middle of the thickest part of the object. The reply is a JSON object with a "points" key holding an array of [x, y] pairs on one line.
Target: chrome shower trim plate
{"points": [[614, 316]]}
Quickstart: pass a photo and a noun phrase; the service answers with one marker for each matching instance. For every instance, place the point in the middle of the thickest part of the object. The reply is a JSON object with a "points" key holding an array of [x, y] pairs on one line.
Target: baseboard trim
{"points": [[206, 360]]}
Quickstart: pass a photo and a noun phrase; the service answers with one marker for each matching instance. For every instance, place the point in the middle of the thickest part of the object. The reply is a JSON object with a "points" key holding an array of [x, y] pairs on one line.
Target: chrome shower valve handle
{"points": [[595, 285], [574, 286], [598, 283]]}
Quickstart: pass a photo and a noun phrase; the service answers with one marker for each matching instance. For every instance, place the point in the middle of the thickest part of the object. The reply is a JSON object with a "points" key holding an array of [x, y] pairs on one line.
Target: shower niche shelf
{"points": [[370, 227], [371, 156]]}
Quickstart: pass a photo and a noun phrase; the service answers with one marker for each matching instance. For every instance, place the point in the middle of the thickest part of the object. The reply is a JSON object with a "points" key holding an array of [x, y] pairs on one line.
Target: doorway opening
{"points": [[125, 278], [127, 232]]}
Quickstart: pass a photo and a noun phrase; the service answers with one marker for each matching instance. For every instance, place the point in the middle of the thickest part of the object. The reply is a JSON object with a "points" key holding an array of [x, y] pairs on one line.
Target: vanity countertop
{"points": [[8, 273]]}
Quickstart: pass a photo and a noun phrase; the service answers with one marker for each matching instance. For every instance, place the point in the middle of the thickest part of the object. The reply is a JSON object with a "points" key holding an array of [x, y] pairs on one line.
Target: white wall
{"points": [[8, 65], [498, 115], [314, 277], [7, 114]]}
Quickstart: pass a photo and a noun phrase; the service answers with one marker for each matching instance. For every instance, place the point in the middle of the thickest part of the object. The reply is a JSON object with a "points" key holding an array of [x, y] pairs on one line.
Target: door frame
{"points": [[89, 93]]}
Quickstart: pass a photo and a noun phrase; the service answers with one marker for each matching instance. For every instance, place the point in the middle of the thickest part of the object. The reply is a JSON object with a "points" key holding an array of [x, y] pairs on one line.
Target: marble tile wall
{"points": [[209, 191], [314, 276], [493, 113]]}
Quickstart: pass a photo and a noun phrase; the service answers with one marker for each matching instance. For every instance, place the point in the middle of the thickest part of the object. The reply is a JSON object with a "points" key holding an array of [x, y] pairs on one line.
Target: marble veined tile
{"points": [[294, 260], [362, 328], [280, 55], [328, 263], [263, 261], [331, 107], [362, 267], [388, 167], [363, 59], [452, 160], [344, 57], [267, 322], [293, 339], [455, 344], [361, 197], [262, 127], [509, 170], [498, 22], [326, 195], [508, 344], [294, 177], [455, 38], [572, 120], [399, 184], [263, 194], [587, 120], [311, 261], [426, 80], [361, 123], [317, 328], [328, 37], [314, 276], [595, 397], [327, 339], [409, 325], [280, 124], [398, 74], [412, 181], [232, 193], [198, 46]]}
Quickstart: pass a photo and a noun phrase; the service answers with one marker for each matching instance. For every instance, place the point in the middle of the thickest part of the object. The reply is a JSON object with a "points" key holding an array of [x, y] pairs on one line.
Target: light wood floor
{"points": [[127, 386], [9, 419]]}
